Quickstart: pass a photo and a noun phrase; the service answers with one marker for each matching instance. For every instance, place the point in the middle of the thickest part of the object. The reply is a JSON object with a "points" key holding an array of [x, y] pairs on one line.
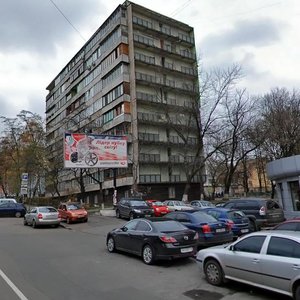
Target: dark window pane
{"points": [[201, 217], [143, 226], [168, 226], [281, 247], [287, 226], [252, 244]]}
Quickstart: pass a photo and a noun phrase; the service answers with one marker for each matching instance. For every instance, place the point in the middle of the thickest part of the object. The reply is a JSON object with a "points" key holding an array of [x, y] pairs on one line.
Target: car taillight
{"points": [[196, 236], [168, 239], [40, 216], [262, 211], [229, 224], [206, 229]]}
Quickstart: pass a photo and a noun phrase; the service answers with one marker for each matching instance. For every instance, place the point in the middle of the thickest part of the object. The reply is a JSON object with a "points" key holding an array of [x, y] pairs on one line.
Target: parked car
{"points": [[132, 208], [153, 239], [159, 208], [175, 205], [261, 212], [72, 212], [236, 219], [266, 259], [10, 209], [202, 203], [41, 216], [210, 230], [5, 200], [292, 225]]}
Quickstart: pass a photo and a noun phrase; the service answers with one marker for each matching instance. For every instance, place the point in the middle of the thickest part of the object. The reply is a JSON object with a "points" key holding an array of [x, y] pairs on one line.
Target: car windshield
{"points": [[169, 226], [206, 204], [180, 203], [73, 206], [47, 209], [158, 203], [138, 203], [203, 217], [235, 214]]}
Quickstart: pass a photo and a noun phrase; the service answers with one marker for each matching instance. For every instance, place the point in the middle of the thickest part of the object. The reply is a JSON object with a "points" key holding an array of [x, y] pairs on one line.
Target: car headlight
{"points": [[137, 210]]}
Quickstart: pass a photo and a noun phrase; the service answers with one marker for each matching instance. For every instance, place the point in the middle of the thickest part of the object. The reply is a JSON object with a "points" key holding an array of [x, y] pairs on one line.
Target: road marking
{"points": [[13, 287]]}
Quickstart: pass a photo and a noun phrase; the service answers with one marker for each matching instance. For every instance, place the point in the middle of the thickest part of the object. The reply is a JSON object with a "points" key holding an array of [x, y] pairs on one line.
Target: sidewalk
{"points": [[106, 212]]}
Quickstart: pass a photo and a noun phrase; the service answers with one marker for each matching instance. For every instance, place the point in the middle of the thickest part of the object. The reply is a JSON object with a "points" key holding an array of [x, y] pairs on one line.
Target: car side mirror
{"points": [[232, 248], [124, 229]]}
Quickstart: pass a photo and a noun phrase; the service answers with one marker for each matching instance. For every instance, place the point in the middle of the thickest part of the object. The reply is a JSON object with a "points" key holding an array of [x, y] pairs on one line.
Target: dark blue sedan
{"points": [[9, 209], [210, 230], [236, 219]]}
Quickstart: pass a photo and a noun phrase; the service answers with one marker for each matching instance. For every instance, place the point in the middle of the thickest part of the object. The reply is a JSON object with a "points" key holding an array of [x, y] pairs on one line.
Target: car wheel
{"points": [[33, 224], [131, 216], [118, 215], [85, 220], [148, 255], [111, 247], [18, 214], [25, 222], [213, 272], [296, 295]]}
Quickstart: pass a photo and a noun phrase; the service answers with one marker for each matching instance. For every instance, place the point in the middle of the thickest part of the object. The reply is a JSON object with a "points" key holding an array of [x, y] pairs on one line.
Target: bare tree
{"points": [[281, 123]]}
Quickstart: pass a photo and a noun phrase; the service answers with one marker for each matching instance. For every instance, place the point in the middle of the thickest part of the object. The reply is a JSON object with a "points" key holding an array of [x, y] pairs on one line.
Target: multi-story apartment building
{"points": [[136, 76]]}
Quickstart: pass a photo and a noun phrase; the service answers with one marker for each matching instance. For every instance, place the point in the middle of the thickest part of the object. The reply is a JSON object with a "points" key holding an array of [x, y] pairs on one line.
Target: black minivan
{"points": [[132, 208], [261, 212]]}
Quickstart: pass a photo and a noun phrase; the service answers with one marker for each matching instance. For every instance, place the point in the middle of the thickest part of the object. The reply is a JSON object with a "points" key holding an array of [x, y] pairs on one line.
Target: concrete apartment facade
{"points": [[286, 173], [136, 76]]}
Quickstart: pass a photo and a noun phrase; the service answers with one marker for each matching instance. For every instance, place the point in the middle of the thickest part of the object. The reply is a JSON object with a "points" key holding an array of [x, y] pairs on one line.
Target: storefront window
{"points": [[295, 193]]}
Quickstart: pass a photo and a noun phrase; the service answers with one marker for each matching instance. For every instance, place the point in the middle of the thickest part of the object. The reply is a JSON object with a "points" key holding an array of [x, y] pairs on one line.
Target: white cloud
{"points": [[37, 42]]}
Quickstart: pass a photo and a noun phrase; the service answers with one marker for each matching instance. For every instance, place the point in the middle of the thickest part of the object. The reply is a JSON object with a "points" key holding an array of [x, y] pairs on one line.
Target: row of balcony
{"points": [[150, 79], [163, 30], [185, 54]]}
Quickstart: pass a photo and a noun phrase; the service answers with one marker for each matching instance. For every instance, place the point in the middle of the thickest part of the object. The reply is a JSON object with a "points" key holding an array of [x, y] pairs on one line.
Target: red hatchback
{"points": [[159, 208]]}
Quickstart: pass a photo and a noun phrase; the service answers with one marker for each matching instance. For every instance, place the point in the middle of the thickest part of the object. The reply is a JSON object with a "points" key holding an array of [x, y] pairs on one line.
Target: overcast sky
{"points": [[36, 41]]}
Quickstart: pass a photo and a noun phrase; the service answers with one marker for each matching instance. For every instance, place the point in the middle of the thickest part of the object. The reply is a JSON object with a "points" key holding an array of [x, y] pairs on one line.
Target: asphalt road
{"points": [[72, 262]]}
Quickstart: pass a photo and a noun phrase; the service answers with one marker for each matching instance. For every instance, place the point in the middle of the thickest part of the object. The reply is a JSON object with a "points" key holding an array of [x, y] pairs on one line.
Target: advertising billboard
{"points": [[94, 151]]}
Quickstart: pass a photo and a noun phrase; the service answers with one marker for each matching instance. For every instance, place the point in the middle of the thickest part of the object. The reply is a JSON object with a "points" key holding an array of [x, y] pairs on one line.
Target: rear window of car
{"points": [[272, 205], [235, 214], [168, 226], [203, 217], [73, 206], [158, 203], [138, 203], [47, 209]]}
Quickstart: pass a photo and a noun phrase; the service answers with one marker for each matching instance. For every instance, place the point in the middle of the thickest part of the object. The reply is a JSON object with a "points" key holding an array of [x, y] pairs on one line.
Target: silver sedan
{"points": [[265, 259], [42, 215]]}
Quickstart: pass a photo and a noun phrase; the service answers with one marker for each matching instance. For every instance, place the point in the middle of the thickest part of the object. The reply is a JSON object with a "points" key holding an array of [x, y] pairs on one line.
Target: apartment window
{"points": [[113, 95], [143, 40], [145, 58], [149, 157], [142, 22], [108, 116], [111, 40], [116, 72], [150, 178], [175, 178]]}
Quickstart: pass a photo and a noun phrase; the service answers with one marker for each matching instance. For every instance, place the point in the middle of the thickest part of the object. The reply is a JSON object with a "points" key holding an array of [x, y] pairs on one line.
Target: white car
{"points": [[175, 205], [265, 259]]}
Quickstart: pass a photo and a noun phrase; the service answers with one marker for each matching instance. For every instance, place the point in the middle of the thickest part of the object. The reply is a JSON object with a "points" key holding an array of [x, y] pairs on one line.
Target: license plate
{"points": [[220, 230], [147, 215], [186, 250], [244, 230]]}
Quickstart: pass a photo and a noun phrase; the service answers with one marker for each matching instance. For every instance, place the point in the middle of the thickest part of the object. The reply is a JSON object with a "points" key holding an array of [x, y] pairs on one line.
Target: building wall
{"points": [[138, 67], [286, 173]]}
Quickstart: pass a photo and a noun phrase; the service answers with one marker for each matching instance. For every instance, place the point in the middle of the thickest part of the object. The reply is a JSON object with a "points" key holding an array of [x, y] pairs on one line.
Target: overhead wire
{"points": [[67, 19]]}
